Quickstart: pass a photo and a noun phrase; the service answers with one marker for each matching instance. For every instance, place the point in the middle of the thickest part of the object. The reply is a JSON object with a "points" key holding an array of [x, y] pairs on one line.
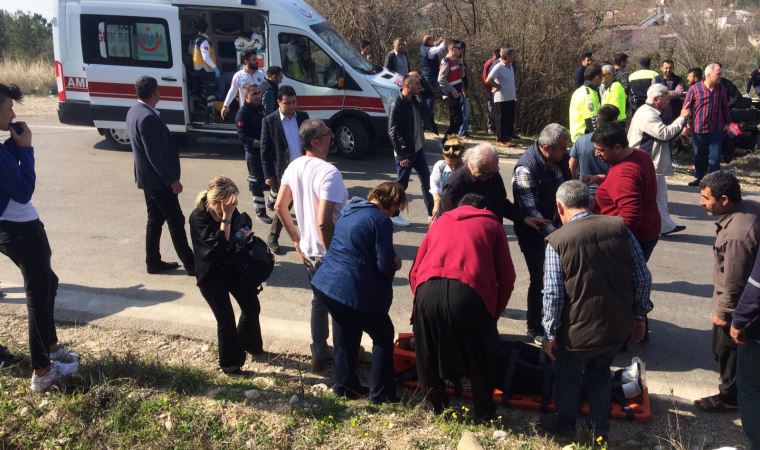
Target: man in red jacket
{"points": [[630, 189]]}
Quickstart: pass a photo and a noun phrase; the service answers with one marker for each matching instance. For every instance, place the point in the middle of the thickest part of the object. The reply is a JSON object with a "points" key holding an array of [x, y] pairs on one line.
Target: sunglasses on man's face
{"points": [[453, 147]]}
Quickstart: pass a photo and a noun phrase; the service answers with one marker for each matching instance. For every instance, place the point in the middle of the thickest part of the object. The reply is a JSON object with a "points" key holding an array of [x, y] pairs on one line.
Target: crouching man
{"points": [[596, 294]]}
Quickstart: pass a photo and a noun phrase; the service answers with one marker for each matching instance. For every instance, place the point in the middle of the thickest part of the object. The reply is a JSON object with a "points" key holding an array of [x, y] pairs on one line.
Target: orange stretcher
{"points": [[638, 409]]}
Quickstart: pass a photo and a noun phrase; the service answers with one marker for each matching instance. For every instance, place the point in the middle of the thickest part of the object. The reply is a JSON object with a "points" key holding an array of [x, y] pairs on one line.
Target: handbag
{"points": [[252, 259]]}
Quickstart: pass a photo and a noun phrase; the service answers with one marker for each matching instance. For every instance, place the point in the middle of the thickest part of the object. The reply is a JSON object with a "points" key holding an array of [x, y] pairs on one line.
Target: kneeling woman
{"points": [[462, 279], [211, 233], [355, 282]]}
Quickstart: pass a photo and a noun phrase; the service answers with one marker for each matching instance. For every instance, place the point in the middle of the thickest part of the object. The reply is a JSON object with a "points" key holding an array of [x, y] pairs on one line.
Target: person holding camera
{"points": [[24, 241], [214, 239]]}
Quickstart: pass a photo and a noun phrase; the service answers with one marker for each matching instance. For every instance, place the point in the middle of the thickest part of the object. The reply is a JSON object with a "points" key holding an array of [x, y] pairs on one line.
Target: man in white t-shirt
{"points": [[249, 74], [501, 80], [316, 189]]}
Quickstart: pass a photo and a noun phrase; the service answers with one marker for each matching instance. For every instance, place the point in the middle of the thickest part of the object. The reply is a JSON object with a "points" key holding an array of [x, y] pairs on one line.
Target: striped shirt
{"points": [[554, 284], [709, 108]]}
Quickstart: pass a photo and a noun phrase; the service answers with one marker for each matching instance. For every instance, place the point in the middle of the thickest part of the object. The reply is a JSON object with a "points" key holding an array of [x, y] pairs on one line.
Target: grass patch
{"points": [[35, 77]]}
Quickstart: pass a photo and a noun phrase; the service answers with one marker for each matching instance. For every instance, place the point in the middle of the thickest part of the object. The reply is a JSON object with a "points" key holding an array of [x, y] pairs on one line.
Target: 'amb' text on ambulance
{"points": [[102, 46]]}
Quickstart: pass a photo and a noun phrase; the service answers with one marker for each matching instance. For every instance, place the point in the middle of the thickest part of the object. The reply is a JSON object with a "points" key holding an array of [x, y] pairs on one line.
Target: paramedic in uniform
{"points": [[248, 121], [204, 64], [249, 74]]}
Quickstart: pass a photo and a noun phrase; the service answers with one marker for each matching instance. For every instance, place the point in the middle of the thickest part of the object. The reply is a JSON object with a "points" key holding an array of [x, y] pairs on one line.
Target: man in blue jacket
{"points": [[745, 331]]}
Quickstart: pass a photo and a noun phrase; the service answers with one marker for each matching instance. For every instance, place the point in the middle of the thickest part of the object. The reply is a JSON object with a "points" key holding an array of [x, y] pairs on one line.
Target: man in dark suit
{"points": [[157, 173], [280, 144]]}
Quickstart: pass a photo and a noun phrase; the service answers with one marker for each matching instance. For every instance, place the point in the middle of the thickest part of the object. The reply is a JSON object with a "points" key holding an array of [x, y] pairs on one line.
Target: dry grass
{"points": [[33, 77]]}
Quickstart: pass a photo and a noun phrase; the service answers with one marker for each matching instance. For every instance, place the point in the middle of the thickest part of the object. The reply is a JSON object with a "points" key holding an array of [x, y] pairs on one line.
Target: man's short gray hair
{"points": [[310, 129], [656, 90], [552, 134], [710, 68], [574, 194], [608, 68], [478, 155]]}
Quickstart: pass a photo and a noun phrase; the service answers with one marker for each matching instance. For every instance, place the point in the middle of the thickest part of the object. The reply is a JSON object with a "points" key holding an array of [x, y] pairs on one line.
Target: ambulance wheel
{"points": [[351, 138], [118, 138]]}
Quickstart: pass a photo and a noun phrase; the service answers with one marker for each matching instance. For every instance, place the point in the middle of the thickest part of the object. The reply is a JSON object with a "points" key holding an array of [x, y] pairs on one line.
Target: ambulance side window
{"points": [[126, 41], [303, 60]]}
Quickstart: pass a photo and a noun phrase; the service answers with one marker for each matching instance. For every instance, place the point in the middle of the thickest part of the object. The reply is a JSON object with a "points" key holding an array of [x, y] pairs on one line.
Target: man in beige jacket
{"points": [[649, 133]]}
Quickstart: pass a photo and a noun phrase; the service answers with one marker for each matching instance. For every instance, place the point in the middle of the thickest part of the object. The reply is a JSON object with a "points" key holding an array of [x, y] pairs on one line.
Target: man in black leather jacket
{"points": [[407, 122]]}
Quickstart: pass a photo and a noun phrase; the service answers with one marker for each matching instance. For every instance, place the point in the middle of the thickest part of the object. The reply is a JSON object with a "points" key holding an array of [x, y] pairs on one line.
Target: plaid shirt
{"points": [[554, 284], [525, 183], [709, 108]]}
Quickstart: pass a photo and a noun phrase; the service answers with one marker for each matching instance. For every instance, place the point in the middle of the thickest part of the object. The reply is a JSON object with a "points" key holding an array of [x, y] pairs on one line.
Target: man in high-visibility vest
{"points": [[612, 91], [585, 103], [204, 65], [640, 81]]}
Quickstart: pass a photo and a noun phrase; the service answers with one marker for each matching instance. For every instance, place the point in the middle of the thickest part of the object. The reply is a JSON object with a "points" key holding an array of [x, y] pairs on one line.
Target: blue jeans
{"points": [[419, 163], [430, 103], [748, 381], [465, 116], [573, 371], [707, 148]]}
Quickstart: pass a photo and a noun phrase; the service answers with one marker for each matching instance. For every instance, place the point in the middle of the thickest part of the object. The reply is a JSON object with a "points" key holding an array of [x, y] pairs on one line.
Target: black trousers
{"points": [[455, 115], [233, 340], [256, 178], [276, 229], [352, 324], [26, 244], [455, 337], [725, 352], [163, 206], [504, 120], [534, 253]]}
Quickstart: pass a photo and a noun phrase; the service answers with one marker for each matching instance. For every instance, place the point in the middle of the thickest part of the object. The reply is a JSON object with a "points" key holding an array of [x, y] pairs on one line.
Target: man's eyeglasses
{"points": [[453, 147], [320, 136]]}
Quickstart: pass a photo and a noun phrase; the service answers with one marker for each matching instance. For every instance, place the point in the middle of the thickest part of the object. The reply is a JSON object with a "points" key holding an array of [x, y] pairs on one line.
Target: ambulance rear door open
{"points": [[118, 47]]}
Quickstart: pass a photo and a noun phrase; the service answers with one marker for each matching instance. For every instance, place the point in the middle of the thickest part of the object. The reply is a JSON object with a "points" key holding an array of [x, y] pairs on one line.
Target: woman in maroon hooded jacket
{"points": [[462, 279]]}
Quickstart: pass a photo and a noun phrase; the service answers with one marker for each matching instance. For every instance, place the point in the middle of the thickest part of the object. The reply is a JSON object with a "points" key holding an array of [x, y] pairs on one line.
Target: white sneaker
{"points": [[400, 221], [62, 355], [57, 373]]}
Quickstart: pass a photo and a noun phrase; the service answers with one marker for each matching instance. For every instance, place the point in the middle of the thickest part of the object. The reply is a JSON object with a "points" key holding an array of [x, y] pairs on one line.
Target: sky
{"points": [[44, 7]]}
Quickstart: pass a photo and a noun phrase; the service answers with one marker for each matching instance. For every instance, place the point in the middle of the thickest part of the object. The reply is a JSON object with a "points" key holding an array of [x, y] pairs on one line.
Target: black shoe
{"points": [[8, 359], [677, 229], [551, 424], [190, 271], [352, 393], [274, 246], [695, 182], [162, 266], [263, 218]]}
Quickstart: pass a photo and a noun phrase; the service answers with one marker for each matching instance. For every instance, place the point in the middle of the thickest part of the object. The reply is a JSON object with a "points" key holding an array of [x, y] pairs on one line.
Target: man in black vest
{"points": [[156, 162], [595, 298], [538, 174]]}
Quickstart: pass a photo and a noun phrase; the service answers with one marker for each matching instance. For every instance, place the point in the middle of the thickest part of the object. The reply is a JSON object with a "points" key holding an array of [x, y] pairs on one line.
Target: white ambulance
{"points": [[102, 46]]}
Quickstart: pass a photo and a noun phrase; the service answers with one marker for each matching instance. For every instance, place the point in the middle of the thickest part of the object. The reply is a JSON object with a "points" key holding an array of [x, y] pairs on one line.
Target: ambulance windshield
{"points": [[342, 47]]}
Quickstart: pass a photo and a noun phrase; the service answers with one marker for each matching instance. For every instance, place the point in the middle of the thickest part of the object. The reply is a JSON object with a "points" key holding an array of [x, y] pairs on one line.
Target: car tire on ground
{"points": [[351, 138], [117, 138]]}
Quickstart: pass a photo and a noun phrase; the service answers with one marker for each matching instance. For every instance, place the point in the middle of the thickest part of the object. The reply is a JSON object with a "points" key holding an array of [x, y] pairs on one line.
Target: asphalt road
{"points": [[95, 219]]}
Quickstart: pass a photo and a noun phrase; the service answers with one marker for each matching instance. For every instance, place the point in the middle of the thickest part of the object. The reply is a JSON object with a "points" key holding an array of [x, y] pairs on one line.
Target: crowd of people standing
{"points": [[590, 205]]}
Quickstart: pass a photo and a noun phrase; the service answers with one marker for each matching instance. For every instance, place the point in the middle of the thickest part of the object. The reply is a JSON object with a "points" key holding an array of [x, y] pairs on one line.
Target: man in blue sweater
{"points": [[745, 331], [24, 241]]}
